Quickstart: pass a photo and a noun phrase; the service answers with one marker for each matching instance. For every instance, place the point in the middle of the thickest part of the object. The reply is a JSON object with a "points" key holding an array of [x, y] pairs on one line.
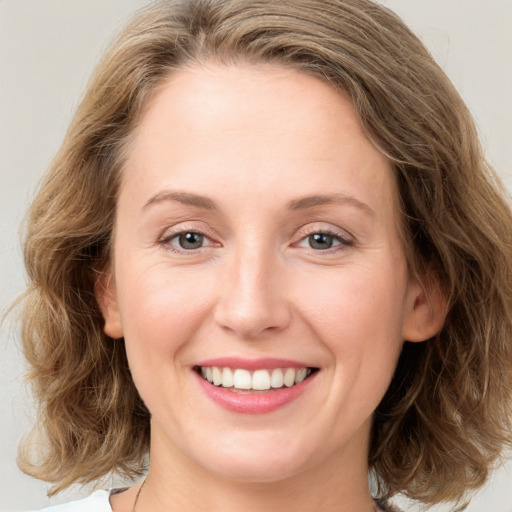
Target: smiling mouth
{"points": [[241, 380]]}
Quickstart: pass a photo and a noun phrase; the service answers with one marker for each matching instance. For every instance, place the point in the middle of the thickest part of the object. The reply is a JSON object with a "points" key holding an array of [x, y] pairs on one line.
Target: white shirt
{"points": [[98, 501]]}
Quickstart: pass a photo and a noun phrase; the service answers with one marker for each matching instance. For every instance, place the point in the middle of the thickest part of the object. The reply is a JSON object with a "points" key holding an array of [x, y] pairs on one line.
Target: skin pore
{"points": [[257, 229]]}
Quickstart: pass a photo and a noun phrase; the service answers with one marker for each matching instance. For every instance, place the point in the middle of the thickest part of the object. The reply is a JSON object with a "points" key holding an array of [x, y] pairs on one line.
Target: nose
{"points": [[252, 297]]}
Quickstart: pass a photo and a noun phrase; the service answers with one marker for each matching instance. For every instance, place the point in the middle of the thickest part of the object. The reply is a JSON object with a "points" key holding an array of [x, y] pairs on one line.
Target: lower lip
{"points": [[253, 403]]}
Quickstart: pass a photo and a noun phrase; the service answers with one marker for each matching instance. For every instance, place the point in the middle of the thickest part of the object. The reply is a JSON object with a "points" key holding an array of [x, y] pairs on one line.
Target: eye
{"points": [[322, 241], [189, 240], [185, 241]]}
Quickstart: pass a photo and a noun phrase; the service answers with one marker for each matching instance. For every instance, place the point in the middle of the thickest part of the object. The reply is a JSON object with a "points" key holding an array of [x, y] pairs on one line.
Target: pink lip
{"points": [[252, 364], [253, 403]]}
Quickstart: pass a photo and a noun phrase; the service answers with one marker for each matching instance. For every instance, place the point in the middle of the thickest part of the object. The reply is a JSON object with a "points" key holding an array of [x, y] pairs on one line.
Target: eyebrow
{"points": [[185, 198], [325, 200], [303, 203]]}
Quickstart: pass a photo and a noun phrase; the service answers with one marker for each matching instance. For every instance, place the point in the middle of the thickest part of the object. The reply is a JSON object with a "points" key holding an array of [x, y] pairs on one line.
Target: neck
{"points": [[174, 482]]}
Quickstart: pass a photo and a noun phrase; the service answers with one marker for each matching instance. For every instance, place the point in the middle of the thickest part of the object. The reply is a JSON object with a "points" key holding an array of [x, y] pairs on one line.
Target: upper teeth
{"points": [[259, 380]]}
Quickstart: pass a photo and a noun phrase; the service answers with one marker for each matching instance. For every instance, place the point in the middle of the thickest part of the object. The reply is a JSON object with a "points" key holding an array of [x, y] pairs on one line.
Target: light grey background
{"points": [[47, 50]]}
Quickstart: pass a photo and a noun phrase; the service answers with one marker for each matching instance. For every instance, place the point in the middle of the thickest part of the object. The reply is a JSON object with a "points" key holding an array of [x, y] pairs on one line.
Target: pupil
{"points": [[191, 240], [320, 241]]}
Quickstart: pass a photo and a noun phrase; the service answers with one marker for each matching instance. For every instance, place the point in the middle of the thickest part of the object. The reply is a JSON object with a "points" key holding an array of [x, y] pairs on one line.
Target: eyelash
{"points": [[341, 241]]}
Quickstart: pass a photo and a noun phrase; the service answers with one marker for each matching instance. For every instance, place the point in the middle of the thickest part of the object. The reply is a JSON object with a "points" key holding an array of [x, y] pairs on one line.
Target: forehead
{"points": [[253, 125], [239, 96]]}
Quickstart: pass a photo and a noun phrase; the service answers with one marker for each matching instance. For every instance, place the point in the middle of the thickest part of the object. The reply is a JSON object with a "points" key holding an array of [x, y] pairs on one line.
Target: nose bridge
{"points": [[253, 299]]}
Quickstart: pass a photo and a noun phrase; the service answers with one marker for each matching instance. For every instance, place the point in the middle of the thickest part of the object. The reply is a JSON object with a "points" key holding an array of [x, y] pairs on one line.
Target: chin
{"points": [[262, 472], [267, 461]]}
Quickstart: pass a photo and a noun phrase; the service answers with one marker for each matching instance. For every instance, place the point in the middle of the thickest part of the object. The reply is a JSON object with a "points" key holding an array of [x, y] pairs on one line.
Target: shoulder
{"points": [[98, 501]]}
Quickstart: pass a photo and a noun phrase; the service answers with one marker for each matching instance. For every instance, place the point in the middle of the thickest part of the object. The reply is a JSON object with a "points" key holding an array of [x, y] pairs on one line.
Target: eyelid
{"points": [[328, 229]]}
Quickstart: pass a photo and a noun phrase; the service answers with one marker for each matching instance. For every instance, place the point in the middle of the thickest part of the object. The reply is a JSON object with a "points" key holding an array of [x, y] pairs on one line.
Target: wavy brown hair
{"points": [[447, 414]]}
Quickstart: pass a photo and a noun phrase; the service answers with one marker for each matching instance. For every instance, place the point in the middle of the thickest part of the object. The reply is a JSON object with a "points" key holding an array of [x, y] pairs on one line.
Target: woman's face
{"points": [[256, 244]]}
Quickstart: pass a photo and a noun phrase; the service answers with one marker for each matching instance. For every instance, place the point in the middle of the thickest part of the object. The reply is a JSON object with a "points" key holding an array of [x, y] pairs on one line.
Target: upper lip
{"points": [[253, 364]]}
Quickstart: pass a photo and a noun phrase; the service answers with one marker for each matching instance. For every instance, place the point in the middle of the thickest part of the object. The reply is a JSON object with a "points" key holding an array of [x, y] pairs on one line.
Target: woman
{"points": [[271, 256]]}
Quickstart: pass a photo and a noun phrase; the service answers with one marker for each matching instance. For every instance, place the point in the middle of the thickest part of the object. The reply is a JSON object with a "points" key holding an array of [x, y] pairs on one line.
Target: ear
{"points": [[426, 309], [105, 291]]}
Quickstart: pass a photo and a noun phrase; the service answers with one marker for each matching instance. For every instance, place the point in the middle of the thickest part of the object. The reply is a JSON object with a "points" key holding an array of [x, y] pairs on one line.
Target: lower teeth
{"points": [[250, 391]]}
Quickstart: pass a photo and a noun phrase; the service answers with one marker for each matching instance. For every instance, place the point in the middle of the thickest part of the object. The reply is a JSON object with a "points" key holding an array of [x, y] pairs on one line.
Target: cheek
{"points": [[358, 317], [160, 318], [160, 308], [359, 301]]}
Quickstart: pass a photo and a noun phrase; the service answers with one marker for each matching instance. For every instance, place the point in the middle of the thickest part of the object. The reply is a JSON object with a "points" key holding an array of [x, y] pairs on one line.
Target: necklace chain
{"points": [[376, 507], [137, 495]]}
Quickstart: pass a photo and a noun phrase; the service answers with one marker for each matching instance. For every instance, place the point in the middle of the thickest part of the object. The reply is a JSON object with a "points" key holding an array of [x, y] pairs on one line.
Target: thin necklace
{"points": [[137, 495], [377, 509]]}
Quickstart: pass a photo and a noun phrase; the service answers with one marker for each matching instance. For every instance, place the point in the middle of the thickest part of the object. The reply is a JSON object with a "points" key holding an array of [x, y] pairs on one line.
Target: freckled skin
{"points": [[254, 141]]}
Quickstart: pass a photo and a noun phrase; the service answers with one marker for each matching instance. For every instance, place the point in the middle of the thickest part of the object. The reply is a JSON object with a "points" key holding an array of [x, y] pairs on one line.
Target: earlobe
{"points": [[105, 291], [426, 311]]}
